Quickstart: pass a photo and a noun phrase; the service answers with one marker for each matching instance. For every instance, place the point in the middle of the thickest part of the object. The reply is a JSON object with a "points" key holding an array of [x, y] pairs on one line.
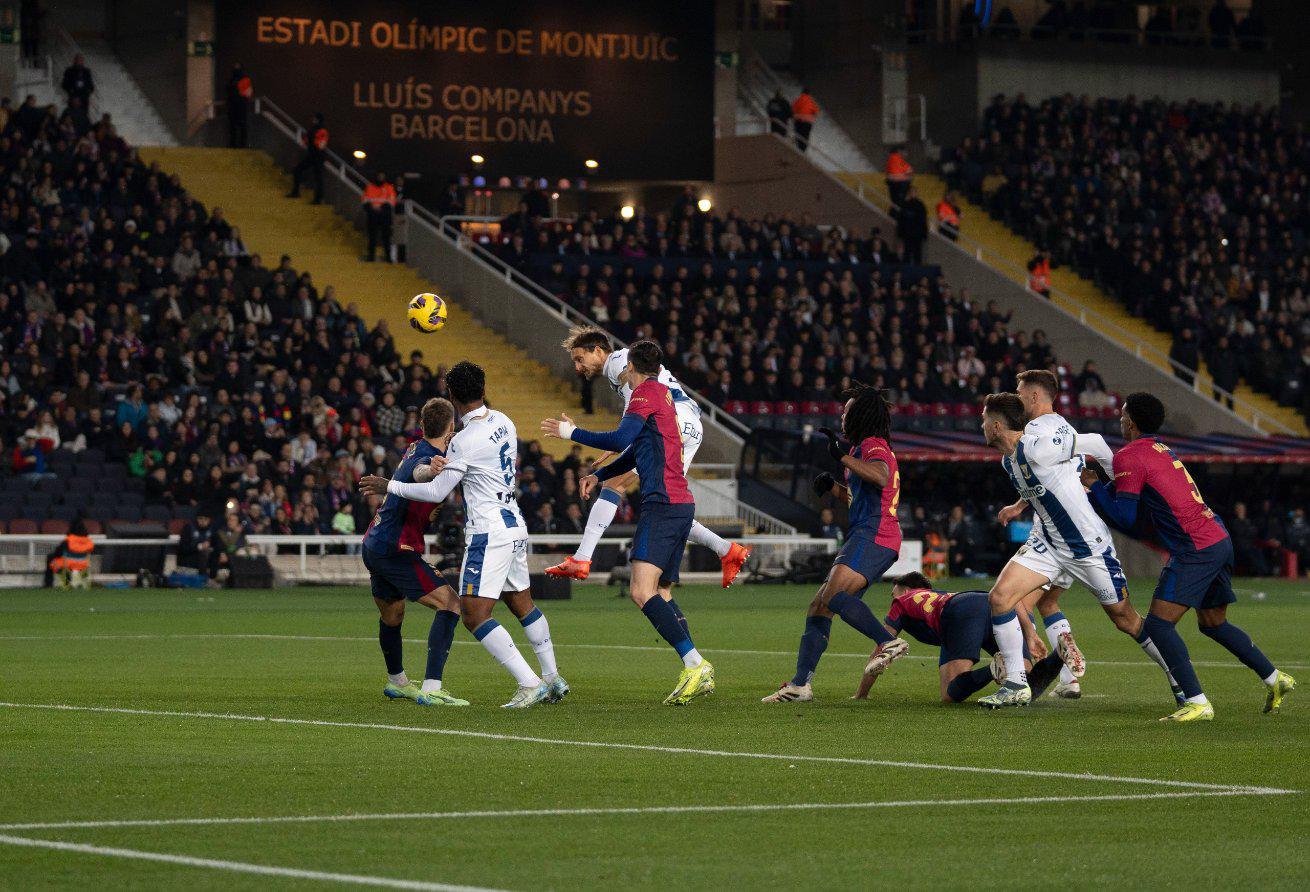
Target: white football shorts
{"points": [[494, 562], [1099, 572]]}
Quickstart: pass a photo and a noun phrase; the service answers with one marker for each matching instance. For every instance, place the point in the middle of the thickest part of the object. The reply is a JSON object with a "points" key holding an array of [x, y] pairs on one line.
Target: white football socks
{"points": [[692, 658], [538, 632], [1053, 636], [703, 535], [598, 520], [399, 680], [1009, 639], [431, 684], [501, 646]]}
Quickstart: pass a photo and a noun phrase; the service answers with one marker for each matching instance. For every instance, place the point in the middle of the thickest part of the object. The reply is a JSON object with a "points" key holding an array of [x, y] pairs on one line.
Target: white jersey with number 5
{"points": [[485, 452], [689, 423]]}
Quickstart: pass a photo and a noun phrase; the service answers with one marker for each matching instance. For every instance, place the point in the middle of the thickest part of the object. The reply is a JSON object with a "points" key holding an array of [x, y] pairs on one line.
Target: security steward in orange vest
{"points": [[804, 112], [240, 91], [948, 216], [315, 142], [1039, 274], [899, 176], [73, 554], [379, 209]]}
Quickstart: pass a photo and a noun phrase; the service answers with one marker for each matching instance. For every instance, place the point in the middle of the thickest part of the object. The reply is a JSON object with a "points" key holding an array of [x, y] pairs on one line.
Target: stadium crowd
{"points": [[776, 310], [139, 338], [1193, 214], [137, 332]]}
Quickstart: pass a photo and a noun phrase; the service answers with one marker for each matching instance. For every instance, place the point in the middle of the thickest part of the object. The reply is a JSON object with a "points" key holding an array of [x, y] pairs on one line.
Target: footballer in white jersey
{"points": [[590, 350], [482, 457], [1069, 535], [689, 423], [1040, 452]]}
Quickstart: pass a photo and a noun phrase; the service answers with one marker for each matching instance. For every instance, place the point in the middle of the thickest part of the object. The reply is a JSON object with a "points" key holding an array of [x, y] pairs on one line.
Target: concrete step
{"points": [[251, 190]]}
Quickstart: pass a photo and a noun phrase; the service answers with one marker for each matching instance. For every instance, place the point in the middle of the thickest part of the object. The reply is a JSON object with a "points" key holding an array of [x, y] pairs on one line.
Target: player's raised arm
{"points": [[871, 470], [616, 440]]}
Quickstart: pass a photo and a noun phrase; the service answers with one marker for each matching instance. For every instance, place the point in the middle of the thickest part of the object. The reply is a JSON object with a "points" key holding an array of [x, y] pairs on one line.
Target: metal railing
{"points": [[866, 191], [416, 213]]}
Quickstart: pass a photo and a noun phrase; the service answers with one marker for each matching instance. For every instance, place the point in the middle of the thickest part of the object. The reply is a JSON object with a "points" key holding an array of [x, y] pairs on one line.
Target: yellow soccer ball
{"points": [[427, 313]]}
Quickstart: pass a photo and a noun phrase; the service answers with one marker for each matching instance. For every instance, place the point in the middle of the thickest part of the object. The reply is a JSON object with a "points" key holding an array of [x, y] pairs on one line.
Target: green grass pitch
{"points": [[832, 794]]}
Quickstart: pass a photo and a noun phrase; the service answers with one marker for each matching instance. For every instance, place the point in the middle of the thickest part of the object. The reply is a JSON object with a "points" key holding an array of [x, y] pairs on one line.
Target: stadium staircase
{"points": [[117, 93], [251, 189]]}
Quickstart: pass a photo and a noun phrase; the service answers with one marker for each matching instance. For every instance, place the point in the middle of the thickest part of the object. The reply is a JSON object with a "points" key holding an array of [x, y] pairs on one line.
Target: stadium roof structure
{"points": [[960, 446]]}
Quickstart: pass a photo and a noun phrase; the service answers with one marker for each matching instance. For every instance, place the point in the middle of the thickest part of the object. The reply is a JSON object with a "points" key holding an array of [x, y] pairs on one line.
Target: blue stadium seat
{"points": [[161, 513]]}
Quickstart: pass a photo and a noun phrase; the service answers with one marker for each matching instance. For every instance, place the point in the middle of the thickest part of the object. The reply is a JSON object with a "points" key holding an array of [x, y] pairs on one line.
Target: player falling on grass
{"points": [[482, 457], [873, 542], [393, 554], [960, 625], [1148, 476], [589, 347], [1069, 539], [649, 442]]}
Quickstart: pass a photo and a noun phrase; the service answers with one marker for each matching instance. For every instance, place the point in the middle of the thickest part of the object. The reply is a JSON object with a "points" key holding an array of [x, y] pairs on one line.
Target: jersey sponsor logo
{"points": [[1028, 493], [637, 399]]}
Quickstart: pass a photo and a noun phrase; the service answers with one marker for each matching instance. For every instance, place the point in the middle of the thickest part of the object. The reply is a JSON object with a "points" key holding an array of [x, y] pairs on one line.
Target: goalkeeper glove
{"points": [[823, 484], [837, 447]]}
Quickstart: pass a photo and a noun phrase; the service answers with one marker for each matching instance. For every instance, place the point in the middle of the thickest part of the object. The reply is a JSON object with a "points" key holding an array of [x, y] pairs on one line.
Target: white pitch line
{"points": [[234, 866], [256, 636], [629, 810], [651, 748]]}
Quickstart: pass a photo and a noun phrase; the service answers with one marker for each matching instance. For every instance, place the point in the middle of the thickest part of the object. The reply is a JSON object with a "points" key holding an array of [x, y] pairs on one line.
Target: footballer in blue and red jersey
{"points": [[650, 442], [1148, 475], [1198, 575], [873, 540], [394, 542], [960, 625]]}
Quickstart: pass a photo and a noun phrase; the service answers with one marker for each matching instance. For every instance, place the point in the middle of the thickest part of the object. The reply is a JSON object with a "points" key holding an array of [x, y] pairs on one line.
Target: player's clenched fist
{"points": [[372, 485]]}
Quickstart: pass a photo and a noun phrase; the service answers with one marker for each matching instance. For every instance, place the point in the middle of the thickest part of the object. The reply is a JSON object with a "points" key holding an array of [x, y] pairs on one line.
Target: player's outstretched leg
{"points": [[598, 520], [1160, 627], [1214, 624], [1012, 586], [838, 597], [477, 619], [732, 555], [1127, 620], [441, 635], [398, 686], [537, 630]]}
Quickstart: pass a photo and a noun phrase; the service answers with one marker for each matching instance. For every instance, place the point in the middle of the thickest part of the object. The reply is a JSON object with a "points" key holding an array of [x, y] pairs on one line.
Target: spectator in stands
{"points": [[805, 112], [912, 226], [899, 175], [948, 216], [315, 141], [779, 112], [77, 82], [1222, 23], [379, 201], [1039, 274], [829, 528], [1248, 552], [1186, 355], [240, 93], [1053, 22], [1296, 538]]}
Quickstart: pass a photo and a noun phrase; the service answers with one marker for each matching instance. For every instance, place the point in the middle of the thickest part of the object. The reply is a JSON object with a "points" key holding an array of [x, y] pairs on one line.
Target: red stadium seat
{"points": [[54, 527], [175, 527], [22, 527], [811, 408], [93, 527], [760, 407], [735, 407]]}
